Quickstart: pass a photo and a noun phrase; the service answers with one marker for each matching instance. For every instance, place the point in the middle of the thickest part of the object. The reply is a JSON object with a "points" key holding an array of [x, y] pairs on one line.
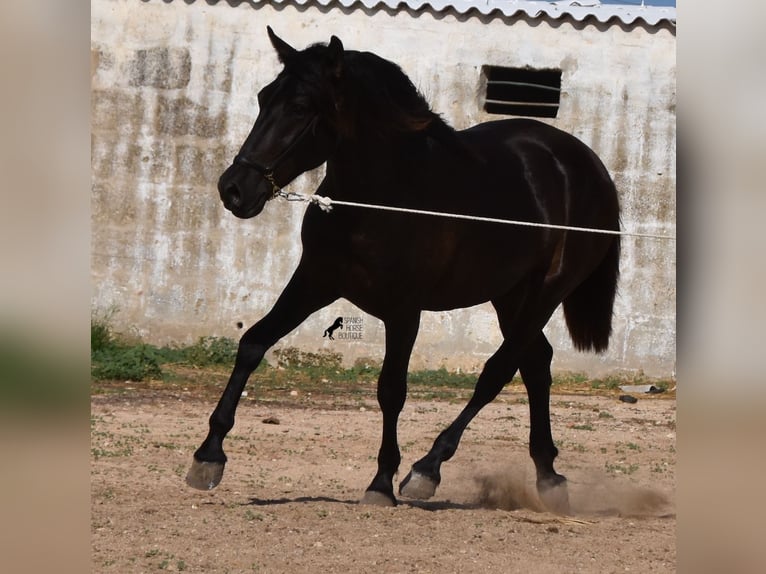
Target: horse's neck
{"points": [[367, 168], [380, 150]]}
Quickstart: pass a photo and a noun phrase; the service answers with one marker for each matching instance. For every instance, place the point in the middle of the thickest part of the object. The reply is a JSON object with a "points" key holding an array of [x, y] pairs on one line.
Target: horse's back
{"points": [[496, 139], [552, 164]]}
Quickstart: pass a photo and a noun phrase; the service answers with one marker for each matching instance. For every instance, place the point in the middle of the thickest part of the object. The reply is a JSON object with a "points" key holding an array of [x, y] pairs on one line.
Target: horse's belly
{"points": [[429, 281]]}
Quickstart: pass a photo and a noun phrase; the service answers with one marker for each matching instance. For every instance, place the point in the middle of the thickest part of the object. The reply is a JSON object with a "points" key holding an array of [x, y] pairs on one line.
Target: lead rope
{"points": [[326, 204]]}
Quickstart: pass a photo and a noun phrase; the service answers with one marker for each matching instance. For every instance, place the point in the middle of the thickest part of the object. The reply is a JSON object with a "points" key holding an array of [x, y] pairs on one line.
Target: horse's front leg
{"points": [[295, 304], [392, 392]]}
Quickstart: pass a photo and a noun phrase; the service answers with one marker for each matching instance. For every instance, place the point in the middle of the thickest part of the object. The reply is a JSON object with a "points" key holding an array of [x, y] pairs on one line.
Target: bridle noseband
{"points": [[268, 172]]}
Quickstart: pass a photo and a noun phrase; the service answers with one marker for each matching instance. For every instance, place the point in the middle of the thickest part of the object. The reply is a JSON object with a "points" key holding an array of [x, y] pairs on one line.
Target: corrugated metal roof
{"points": [[577, 9]]}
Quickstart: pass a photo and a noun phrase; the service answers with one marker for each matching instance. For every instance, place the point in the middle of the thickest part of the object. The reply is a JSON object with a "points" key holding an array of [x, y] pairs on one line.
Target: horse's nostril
{"points": [[230, 195]]}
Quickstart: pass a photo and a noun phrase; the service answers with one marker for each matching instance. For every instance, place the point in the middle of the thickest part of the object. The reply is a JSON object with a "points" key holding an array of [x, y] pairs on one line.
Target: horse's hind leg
{"points": [[425, 475], [535, 369], [392, 392], [521, 321], [298, 300]]}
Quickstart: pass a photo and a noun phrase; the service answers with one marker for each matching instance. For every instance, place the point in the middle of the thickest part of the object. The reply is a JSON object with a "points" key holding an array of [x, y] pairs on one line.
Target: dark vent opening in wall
{"points": [[522, 91]]}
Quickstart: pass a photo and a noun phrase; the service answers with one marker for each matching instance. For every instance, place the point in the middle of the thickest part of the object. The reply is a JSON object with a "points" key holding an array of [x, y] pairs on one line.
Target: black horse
{"points": [[337, 324], [382, 144]]}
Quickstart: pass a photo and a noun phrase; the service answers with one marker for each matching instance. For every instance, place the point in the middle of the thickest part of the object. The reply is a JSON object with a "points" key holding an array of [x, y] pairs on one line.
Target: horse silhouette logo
{"points": [[338, 324]]}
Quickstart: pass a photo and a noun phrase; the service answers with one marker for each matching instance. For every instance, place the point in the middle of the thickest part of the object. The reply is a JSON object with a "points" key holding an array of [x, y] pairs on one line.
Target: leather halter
{"points": [[268, 172]]}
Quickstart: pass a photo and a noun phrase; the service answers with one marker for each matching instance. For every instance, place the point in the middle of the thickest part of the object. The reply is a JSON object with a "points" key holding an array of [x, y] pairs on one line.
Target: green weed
{"points": [[117, 357], [610, 383], [101, 336], [114, 356], [442, 378], [136, 363], [568, 378], [207, 351]]}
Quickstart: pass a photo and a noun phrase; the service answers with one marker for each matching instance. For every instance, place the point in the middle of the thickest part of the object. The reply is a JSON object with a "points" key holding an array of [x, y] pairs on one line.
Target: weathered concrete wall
{"points": [[174, 94]]}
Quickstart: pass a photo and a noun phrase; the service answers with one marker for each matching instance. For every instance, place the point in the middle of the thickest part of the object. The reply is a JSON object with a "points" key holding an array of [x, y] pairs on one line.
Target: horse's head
{"points": [[292, 133]]}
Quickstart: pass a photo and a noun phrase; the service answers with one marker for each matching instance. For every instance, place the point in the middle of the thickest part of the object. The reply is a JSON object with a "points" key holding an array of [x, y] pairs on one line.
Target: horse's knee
{"points": [[391, 395], [535, 364], [545, 350]]}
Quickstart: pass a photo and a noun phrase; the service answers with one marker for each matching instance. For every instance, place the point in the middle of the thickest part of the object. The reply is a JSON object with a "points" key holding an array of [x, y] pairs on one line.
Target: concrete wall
{"points": [[174, 94]]}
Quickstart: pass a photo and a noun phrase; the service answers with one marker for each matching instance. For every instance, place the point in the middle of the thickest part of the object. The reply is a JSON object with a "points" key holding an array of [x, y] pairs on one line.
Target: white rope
{"points": [[326, 204]]}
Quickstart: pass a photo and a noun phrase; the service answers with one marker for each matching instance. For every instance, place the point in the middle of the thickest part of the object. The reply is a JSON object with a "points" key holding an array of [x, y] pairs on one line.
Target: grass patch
{"points": [[610, 383], [132, 363], [114, 356], [442, 378], [569, 379], [613, 382], [205, 364]]}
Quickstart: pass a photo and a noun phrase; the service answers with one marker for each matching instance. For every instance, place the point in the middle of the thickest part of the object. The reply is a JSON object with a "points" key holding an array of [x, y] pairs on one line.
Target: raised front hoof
{"points": [[554, 495], [377, 498], [418, 486], [204, 475]]}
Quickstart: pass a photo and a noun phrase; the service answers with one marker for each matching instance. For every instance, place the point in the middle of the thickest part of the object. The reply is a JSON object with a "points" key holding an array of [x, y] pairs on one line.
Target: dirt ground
{"points": [[288, 500]]}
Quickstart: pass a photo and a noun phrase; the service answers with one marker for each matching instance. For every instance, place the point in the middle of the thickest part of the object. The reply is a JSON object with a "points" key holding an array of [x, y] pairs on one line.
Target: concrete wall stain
{"points": [[160, 67], [180, 116]]}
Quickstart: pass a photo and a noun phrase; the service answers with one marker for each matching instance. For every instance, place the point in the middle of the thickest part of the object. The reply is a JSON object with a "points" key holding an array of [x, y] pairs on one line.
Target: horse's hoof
{"points": [[204, 475], [377, 498], [417, 486], [554, 496]]}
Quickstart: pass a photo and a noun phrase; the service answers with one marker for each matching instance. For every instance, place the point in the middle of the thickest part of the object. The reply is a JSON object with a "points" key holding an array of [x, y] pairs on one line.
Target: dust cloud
{"points": [[591, 493]]}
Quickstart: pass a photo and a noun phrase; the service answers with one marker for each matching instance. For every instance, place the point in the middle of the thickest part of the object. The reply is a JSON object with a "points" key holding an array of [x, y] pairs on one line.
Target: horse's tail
{"points": [[588, 309]]}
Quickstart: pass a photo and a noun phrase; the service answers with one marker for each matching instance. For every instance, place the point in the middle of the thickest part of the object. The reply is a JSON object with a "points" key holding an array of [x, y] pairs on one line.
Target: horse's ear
{"points": [[284, 50], [335, 52]]}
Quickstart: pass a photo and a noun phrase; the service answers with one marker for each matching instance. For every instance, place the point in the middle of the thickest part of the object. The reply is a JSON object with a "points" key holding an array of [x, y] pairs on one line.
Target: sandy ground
{"points": [[288, 500]]}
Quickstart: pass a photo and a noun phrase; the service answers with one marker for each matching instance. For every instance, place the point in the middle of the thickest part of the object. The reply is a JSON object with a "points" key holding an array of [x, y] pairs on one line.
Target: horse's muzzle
{"points": [[235, 201]]}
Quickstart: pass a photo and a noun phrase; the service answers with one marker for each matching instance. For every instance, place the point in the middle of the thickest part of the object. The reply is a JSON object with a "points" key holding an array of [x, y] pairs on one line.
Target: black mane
{"points": [[385, 96], [376, 98]]}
